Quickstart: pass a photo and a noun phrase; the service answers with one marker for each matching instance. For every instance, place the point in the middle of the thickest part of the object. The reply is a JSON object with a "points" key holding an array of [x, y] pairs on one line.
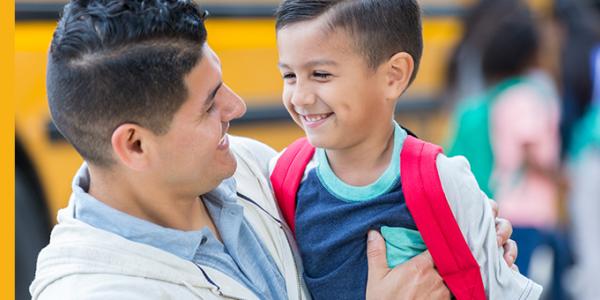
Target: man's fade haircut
{"points": [[381, 28], [120, 61]]}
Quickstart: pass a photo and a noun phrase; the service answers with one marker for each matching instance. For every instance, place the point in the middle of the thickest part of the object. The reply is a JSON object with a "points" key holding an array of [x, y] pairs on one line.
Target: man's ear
{"points": [[399, 70], [129, 143]]}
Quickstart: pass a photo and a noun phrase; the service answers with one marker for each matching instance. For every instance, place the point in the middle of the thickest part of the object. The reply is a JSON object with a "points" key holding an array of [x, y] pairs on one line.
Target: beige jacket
{"points": [[83, 262]]}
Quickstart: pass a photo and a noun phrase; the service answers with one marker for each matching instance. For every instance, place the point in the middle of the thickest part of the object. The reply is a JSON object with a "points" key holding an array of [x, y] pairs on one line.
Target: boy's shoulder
{"points": [[293, 156]]}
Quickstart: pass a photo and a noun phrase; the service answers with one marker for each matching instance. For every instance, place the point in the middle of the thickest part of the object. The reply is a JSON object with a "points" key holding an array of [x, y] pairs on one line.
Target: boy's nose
{"points": [[235, 108], [302, 97]]}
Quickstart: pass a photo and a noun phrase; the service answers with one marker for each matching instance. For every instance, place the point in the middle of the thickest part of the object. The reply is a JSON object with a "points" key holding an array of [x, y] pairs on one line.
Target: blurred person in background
{"points": [[584, 196], [580, 25], [510, 132], [580, 128], [464, 80]]}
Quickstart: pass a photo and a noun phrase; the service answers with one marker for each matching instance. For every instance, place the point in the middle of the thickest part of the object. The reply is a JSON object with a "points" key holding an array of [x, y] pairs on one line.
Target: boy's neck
{"points": [[363, 163]]}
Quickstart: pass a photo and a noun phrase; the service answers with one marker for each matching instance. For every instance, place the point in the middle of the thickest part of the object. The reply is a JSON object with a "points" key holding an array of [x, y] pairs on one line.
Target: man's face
{"points": [[193, 157], [329, 90]]}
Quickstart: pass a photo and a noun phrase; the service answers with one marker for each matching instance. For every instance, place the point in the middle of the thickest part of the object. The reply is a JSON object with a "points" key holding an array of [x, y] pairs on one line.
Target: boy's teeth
{"points": [[314, 118]]}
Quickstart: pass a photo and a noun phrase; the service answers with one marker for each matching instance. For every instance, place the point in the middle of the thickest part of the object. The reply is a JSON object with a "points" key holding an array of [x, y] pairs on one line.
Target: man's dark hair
{"points": [[381, 28], [512, 43], [120, 61]]}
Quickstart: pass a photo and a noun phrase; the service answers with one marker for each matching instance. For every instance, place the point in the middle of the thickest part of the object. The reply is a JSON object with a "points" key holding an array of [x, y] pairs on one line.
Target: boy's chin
{"points": [[318, 141]]}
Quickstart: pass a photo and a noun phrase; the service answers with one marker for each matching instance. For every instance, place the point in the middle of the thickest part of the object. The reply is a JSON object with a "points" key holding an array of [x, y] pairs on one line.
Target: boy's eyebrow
{"points": [[313, 63]]}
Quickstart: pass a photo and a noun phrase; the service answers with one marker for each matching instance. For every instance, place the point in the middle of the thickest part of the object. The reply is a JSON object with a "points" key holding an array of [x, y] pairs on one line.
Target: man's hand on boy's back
{"points": [[414, 279]]}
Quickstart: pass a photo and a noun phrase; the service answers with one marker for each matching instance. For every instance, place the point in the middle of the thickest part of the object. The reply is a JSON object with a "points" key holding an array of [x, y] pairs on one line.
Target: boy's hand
{"points": [[414, 279], [503, 232]]}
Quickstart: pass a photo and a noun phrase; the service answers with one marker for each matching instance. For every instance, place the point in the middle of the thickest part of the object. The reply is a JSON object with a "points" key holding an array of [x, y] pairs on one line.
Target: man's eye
{"points": [[211, 107]]}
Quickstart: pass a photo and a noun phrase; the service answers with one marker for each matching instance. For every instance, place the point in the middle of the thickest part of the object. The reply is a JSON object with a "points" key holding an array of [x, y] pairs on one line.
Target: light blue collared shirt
{"points": [[241, 256]]}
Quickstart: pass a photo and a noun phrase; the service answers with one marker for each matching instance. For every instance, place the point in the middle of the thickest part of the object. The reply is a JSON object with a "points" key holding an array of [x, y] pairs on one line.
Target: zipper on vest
{"points": [[288, 234], [210, 280]]}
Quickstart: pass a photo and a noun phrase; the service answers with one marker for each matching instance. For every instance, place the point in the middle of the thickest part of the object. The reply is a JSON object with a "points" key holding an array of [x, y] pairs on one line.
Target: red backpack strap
{"points": [[427, 204], [286, 177]]}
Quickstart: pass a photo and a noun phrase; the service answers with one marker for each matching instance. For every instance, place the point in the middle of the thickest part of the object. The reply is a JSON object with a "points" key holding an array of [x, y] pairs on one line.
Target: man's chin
{"points": [[231, 165]]}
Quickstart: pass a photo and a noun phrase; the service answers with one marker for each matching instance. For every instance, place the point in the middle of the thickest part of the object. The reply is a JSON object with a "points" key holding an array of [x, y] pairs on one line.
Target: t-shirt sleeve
{"points": [[474, 216]]}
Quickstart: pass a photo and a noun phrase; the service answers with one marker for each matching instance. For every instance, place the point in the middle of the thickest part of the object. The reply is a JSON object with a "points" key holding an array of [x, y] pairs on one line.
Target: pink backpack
{"points": [[425, 200]]}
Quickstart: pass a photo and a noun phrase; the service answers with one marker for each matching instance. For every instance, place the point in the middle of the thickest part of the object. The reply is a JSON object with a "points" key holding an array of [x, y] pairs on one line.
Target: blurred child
{"points": [[584, 198], [514, 127], [344, 65]]}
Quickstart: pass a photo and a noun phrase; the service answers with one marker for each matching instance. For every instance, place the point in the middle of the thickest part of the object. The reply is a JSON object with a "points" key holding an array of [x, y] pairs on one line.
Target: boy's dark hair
{"points": [[120, 61], [382, 27], [511, 45]]}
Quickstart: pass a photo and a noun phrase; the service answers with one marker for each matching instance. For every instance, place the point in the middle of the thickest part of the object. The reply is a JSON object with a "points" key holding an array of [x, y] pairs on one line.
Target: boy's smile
{"points": [[329, 89], [314, 120]]}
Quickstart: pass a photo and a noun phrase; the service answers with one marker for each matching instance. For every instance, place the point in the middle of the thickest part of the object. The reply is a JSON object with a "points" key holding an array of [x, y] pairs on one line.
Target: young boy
{"points": [[345, 64]]}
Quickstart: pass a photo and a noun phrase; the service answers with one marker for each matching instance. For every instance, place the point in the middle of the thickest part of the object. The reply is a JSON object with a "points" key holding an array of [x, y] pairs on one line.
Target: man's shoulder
{"points": [[244, 144], [84, 260], [109, 286], [252, 152]]}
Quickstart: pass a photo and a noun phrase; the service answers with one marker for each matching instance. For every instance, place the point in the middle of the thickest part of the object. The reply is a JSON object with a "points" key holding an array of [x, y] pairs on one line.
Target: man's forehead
{"points": [[208, 51], [204, 78], [209, 63]]}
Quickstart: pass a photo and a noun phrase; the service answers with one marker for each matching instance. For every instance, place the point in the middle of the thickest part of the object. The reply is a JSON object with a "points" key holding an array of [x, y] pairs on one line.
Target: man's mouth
{"points": [[314, 120], [224, 142]]}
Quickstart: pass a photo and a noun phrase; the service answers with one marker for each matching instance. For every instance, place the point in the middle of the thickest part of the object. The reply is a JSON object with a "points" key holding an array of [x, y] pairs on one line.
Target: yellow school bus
{"points": [[243, 35]]}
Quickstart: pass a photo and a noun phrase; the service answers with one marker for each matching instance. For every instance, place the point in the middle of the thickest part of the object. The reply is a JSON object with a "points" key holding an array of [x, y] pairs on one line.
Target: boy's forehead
{"points": [[313, 37]]}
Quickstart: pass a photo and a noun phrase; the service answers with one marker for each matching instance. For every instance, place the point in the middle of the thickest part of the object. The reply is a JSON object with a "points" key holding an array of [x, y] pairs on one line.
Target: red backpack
{"points": [[425, 200]]}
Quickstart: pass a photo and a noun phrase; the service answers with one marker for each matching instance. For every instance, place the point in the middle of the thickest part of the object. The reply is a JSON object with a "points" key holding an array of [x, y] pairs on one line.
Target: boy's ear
{"points": [[399, 70], [129, 143]]}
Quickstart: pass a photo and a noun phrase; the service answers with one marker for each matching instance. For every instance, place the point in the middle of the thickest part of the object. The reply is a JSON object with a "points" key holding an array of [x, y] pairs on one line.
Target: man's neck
{"points": [[149, 201], [364, 162]]}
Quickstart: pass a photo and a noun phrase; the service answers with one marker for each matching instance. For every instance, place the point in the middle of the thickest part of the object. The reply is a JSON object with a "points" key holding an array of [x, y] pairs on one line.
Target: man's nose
{"points": [[235, 106]]}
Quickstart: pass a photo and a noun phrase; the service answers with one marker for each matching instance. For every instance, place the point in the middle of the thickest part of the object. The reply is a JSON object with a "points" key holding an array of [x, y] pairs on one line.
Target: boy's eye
{"points": [[321, 75], [289, 76]]}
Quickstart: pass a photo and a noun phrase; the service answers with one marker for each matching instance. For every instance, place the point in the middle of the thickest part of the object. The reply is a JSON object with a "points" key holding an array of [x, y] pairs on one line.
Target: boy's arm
{"points": [[476, 220]]}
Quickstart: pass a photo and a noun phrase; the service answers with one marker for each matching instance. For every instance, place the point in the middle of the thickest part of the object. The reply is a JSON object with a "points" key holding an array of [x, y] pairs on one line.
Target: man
{"points": [[168, 205]]}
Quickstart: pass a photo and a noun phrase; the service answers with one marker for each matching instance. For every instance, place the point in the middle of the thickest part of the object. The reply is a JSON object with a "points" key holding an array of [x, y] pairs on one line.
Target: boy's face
{"points": [[329, 90]]}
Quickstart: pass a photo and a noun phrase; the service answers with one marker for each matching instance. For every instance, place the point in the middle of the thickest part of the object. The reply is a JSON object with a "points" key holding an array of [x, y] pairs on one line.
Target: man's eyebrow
{"points": [[313, 63], [212, 94]]}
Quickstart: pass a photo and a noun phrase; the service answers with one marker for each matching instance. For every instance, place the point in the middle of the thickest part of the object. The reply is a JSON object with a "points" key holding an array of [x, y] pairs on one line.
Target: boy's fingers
{"points": [[376, 257]]}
